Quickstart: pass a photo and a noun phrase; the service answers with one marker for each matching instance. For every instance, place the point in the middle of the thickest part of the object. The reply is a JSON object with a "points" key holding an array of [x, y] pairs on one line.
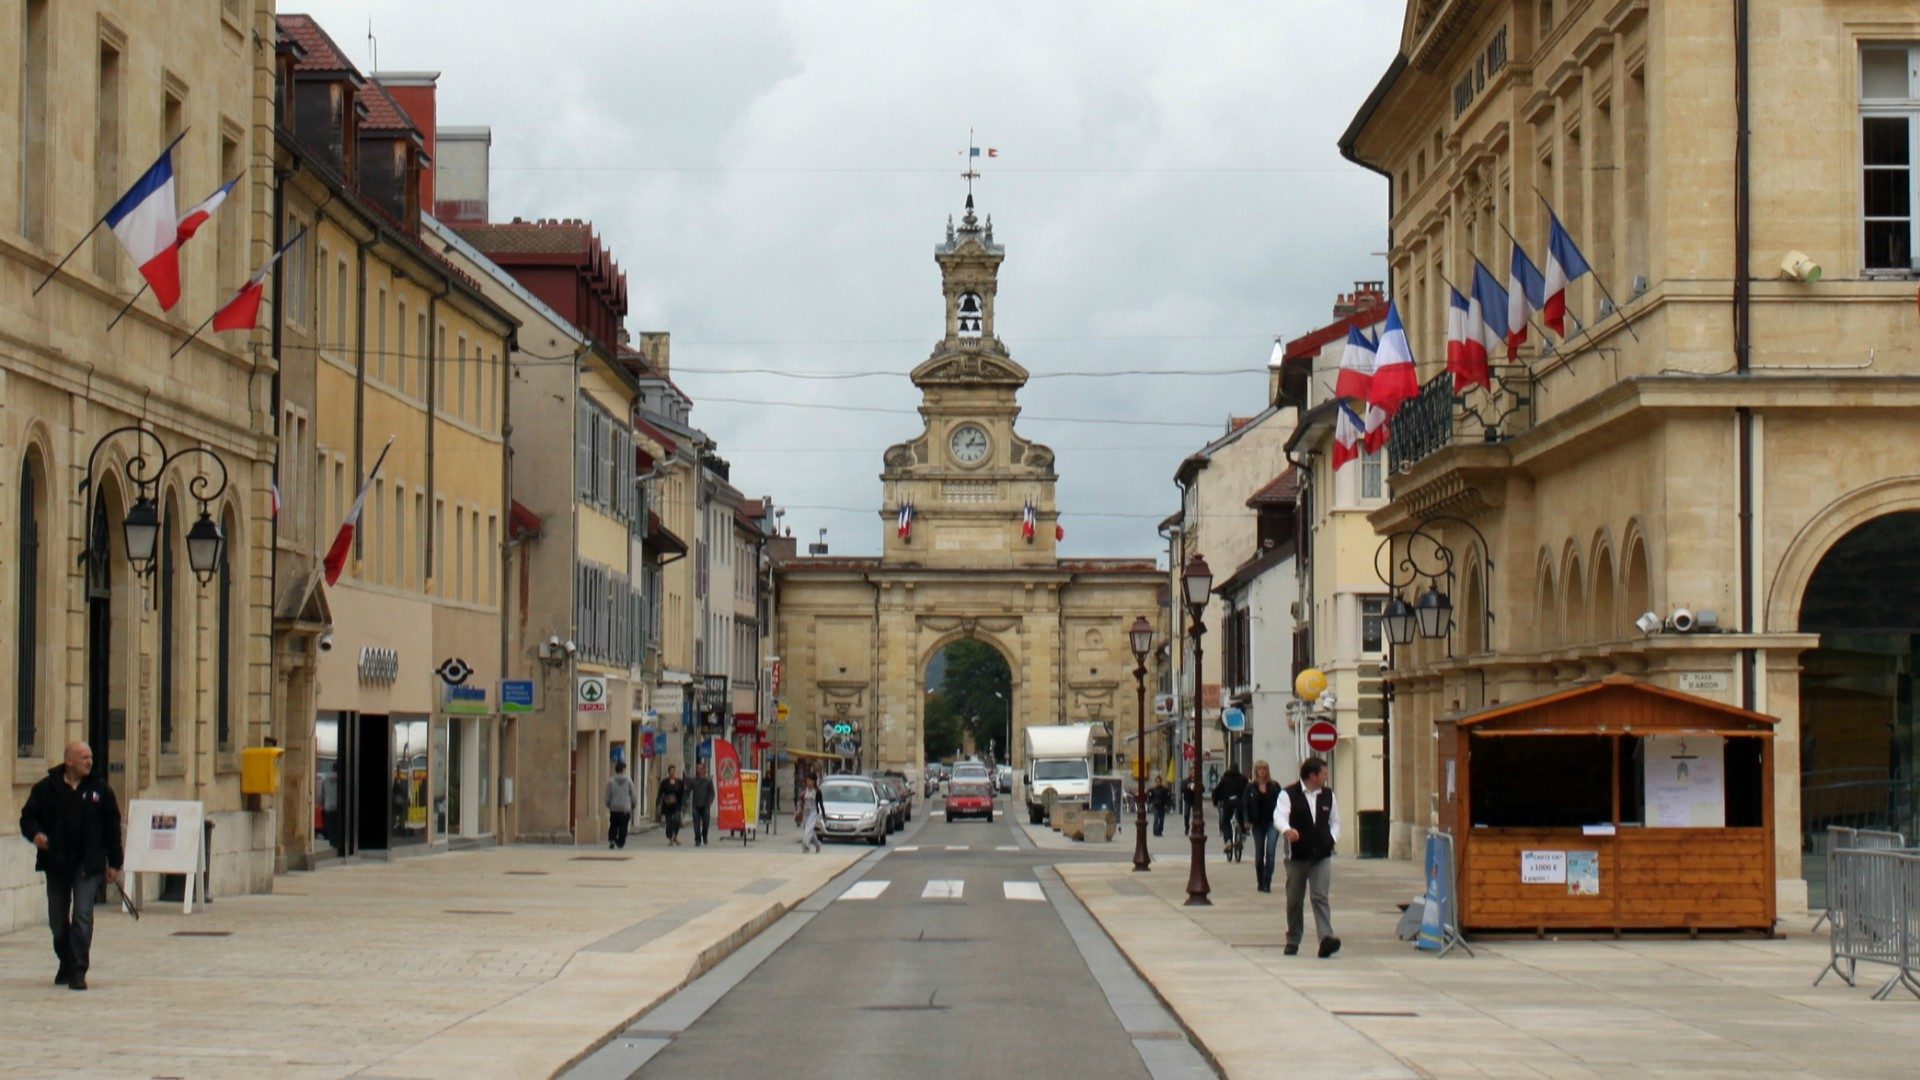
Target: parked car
{"points": [[853, 810], [904, 786], [895, 800], [969, 799], [1003, 778]]}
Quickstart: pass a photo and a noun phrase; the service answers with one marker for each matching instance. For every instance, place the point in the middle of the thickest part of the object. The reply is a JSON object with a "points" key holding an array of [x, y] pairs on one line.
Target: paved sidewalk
{"points": [[1575, 1007], [500, 962]]}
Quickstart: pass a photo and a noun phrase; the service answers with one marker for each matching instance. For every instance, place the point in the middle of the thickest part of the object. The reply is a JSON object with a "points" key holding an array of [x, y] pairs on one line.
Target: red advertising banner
{"points": [[726, 785]]}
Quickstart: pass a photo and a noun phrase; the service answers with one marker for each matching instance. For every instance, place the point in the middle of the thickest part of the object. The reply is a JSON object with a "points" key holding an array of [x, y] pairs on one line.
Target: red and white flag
{"points": [[1346, 435], [243, 311], [336, 560]]}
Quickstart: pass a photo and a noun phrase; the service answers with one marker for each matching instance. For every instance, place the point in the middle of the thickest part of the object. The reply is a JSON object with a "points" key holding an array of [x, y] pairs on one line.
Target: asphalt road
{"points": [[955, 953]]}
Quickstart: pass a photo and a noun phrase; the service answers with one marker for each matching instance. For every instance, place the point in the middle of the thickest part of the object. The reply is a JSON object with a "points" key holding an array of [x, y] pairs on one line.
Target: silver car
{"points": [[853, 810]]}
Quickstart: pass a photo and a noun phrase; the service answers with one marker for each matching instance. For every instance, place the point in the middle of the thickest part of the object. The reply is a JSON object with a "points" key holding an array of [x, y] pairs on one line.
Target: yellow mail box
{"points": [[260, 770]]}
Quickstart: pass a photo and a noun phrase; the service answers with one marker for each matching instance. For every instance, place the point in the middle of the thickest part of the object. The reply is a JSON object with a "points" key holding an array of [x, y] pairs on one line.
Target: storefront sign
{"points": [[668, 700], [726, 786], [782, 711], [659, 744], [464, 700], [516, 695], [379, 665], [750, 794], [1543, 868], [590, 693], [646, 742], [454, 671], [1234, 719], [746, 723]]}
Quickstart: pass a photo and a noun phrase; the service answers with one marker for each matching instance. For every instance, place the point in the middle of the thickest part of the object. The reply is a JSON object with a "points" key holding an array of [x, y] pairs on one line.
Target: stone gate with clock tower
{"points": [[978, 559]]}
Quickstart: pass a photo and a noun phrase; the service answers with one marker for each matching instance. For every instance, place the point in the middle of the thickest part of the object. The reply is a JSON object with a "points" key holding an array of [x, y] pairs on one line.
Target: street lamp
{"points": [[1435, 613], [204, 544], [1196, 582], [1398, 620], [1009, 708], [1140, 637], [141, 528]]}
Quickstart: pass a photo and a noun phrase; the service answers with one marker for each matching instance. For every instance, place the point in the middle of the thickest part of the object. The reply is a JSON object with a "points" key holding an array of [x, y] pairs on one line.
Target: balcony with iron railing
{"points": [[1438, 418]]}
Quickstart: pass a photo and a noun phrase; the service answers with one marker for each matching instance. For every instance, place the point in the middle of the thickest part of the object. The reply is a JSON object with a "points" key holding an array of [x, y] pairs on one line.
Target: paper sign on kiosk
{"points": [[1543, 868], [1685, 783], [163, 837]]}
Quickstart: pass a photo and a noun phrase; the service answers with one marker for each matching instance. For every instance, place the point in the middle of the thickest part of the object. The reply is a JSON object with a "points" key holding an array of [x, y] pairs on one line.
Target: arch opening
{"points": [[969, 703]]}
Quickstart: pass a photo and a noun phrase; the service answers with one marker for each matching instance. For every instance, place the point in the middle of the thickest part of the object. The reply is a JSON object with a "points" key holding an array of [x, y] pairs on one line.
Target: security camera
{"points": [[571, 647], [553, 642], [1799, 266], [326, 642], [1649, 623], [1681, 620]]}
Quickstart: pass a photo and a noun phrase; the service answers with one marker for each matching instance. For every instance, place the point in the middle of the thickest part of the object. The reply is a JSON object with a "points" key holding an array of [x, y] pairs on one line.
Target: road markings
{"points": [[1007, 847], [1023, 890], [943, 889], [907, 847], [865, 890], [959, 847]]}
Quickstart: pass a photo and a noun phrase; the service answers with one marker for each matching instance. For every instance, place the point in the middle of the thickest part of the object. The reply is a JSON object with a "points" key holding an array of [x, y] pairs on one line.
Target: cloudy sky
{"points": [[773, 177]]}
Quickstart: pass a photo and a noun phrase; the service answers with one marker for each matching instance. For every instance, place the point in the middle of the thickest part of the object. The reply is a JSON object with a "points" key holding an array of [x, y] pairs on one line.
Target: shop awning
{"points": [[812, 755]]}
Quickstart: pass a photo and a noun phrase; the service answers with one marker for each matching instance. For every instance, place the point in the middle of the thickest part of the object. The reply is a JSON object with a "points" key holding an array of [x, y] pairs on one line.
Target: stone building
{"points": [[164, 669], [1722, 444], [857, 634]]}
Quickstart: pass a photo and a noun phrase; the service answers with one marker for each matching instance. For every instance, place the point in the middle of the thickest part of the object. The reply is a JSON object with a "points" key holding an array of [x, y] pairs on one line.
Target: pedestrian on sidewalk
{"points": [[1159, 800], [1226, 800], [1263, 800], [73, 822], [621, 798], [671, 801], [1310, 820], [700, 803], [808, 813]]}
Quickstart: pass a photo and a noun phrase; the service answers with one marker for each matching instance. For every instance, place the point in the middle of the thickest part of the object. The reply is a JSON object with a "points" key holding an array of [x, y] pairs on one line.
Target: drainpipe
{"points": [[1743, 340], [433, 388], [360, 376]]}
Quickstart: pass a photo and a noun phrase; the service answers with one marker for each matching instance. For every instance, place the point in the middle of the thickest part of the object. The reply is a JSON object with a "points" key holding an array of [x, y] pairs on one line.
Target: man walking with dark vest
{"points": [[71, 817], [1308, 817]]}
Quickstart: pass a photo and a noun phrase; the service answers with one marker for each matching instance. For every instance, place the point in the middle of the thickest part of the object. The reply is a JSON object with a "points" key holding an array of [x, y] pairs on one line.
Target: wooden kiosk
{"points": [[1614, 805]]}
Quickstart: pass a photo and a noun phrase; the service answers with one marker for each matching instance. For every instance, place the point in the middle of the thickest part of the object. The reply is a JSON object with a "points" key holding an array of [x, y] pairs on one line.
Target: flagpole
{"points": [[1539, 327], [71, 252], [196, 330], [1597, 280], [144, 286], [275, 257]]}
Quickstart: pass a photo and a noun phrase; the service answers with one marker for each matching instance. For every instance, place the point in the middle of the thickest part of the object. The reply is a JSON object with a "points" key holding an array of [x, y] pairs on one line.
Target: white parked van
{"points": [[1058, 768]]}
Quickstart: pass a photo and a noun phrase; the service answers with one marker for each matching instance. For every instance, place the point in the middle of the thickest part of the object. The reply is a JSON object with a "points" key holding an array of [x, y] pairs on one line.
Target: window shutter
{"points": [[583, 448]]}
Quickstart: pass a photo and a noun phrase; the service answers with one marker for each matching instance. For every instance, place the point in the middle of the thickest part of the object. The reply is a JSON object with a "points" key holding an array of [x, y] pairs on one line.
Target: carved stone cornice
{"points": [[970, 625]]}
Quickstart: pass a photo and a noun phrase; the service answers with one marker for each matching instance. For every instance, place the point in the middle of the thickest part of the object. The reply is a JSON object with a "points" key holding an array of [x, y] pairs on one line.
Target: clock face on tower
{"points": [[968, 444]]}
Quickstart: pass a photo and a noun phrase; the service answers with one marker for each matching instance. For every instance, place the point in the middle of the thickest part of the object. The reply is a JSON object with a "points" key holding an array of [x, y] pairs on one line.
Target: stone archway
{"points": [[969, 703]]}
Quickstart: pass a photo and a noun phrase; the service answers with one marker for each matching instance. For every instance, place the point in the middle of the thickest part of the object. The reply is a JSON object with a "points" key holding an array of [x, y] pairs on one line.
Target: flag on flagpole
{"points": [[243, 311], [1458, 364], [147, 225], [191, 221], [974, 152], [1375, 435], [1394, 377], [1347, 432], [1565, 265], [1526, 294], [336, 560], [1059, 531], [1029, 521], [1356, 366], [905, 527], [273, 488]]}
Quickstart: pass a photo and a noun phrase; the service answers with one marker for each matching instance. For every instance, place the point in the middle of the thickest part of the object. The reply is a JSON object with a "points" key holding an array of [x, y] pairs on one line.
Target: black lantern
{"points": [[1435, 613], [1197, 581], [1398, 620], [1141, 638], [204, 544], [142, 529]]}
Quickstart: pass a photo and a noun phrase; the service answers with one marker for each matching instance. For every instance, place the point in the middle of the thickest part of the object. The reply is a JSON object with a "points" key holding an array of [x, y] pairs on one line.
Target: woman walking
{"points": [[672, 799], [807, 814], [1262, 797]]}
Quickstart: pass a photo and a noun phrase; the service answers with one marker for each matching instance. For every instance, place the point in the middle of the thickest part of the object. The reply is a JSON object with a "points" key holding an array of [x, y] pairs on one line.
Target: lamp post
{"points": [[141, 529], [1141, 638], [1008, 704], [1196, 584]]}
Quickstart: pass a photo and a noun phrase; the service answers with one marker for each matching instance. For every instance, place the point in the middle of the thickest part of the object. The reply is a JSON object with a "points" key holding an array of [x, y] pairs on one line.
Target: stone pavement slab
{"points": [[509, 962], [1560, 1007]]}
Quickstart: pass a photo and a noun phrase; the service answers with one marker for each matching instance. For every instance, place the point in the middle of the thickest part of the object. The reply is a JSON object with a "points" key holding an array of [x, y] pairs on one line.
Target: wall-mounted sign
{"points": [[379, 665], [668, 700], [516, 695], [1234, 719], [590, 693], [454, 671], [782, 711], [1705, 682], [464, 700]]}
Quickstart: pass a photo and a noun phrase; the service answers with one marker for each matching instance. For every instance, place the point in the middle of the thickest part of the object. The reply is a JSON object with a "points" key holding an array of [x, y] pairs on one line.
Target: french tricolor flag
{"points": [[1029, 521], [1486, 328], [1356, 366], [243, 311], [336, 560], [1347, 434], [191, 221], [1394, 378], [1459, 364], [905, 527], [147, 224], [1565, 265], [1526, 294], [1375, 434]]}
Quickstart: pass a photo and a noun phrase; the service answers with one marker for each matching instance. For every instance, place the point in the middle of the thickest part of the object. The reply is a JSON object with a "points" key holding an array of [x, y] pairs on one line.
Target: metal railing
{"points": [[1873, 908], [1438, 418]]}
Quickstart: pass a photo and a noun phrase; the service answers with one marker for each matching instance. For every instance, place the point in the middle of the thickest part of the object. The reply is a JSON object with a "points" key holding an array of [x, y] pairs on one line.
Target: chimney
{"points": [[462, 167], [655, 345], [1365, 294], [414, 90]]}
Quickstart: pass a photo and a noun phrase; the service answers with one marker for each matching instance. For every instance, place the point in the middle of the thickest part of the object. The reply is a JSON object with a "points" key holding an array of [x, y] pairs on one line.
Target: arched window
{"points": [[1573, 613], [1635, 584], [1605, 623], [169, 624], [227, 625], [1473, 621], [32, 518], [1546, 608]]}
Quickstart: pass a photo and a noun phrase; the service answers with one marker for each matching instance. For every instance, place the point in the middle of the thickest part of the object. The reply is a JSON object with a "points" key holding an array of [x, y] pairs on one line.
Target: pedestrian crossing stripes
{"points": [[1023, 890], [865, 890], [907, 847], [959, 847], [943, 889], [1007, 847]]}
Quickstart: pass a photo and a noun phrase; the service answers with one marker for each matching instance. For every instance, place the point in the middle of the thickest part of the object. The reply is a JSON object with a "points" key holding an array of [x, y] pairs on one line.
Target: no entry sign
{"points": [[1321, 735]]}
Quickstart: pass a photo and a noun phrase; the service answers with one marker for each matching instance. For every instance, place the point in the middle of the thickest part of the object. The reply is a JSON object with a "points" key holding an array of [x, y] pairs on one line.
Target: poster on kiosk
{"points": [[726, 785]]}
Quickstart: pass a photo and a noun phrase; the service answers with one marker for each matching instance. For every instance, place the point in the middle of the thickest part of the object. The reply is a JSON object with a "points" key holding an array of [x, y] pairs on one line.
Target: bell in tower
{"points": [[969, 269], [970, 322]]}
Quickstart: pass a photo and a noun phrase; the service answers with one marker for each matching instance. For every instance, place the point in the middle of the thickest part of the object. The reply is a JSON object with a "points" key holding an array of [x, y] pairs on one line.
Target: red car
{"points": [[969, 800]]}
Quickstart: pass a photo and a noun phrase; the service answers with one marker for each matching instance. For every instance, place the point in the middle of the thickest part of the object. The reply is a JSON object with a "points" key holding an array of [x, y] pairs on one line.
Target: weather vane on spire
{"points": [[972, 174]]}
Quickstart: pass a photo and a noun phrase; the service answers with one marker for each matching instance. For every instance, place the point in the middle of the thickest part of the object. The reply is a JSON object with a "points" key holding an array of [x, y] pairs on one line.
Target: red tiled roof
{"points": [[1308, 344], [322, 53], [1235, 423], [546, 237], [1282, 490], [384, 113]]}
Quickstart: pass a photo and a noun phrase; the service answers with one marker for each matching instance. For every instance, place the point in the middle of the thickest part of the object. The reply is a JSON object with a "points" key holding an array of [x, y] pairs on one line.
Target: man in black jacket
{"points": [[1308, 817], [74, 821], [700, 803]]}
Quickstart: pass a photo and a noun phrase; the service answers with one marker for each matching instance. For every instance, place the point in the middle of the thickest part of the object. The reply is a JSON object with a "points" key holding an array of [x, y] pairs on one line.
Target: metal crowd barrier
{"points": [[1874, 915], [1842, 838]]}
